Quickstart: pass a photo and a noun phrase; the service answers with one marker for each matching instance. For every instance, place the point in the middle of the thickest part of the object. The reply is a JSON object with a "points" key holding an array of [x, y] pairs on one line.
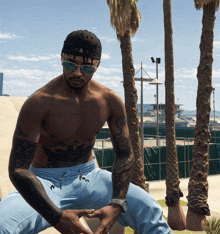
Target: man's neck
{"points": [[78, 92]]}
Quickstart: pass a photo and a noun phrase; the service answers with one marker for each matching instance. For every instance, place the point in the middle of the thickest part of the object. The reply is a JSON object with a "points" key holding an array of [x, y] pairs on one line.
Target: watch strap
{"points": [[119, 202]]}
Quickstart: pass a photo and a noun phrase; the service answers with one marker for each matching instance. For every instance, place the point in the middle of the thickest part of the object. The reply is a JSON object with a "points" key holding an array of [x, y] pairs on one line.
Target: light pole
{"points": [[142, 106], [156, 82], [213, 89]]}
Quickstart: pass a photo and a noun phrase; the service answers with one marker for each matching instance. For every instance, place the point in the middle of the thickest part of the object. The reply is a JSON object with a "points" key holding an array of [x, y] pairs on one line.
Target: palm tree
{"points": [[198, 184], [176, 217], [125, 18]]}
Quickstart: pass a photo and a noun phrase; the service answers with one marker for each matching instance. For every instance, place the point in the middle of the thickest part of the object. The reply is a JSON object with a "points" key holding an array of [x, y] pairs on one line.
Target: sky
{"points": [[32, 35]]}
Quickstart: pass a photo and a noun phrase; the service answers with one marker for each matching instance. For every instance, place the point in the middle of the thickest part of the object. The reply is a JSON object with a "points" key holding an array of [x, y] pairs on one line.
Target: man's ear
{"points": [[62, 58], [97, 64]]}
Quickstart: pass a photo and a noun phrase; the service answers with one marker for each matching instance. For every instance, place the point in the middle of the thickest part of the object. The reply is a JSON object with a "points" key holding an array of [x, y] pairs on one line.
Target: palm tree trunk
{"points": [[176, 217], [198, 184], [172, 170], [137, 175]]}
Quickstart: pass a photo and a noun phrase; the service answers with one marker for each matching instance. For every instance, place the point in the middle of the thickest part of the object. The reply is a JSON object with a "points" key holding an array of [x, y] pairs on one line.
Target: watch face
{"points": [[122, 203], [125, 205]]}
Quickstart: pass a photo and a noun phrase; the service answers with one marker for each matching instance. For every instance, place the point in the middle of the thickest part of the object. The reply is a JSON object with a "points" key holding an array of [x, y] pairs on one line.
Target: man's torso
{"points": [[70, 126]]}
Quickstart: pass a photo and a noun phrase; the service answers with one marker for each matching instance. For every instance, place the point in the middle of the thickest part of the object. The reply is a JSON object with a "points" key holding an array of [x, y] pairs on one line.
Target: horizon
{"points": [[138, 105]]}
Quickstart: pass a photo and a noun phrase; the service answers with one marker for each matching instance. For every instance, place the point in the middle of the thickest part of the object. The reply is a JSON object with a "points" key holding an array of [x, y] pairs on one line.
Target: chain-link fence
{"points": [[155, 156]]}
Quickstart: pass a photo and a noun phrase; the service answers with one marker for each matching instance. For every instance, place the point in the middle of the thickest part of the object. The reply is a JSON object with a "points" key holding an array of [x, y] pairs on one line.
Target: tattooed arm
{"points": [[123, 157], [122, 164], [25, 141]]}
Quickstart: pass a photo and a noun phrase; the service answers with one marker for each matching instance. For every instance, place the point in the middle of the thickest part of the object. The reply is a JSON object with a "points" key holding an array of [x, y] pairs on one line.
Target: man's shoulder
{"points": [[112, 100], [46, 93], [41, 99], [107, 93]]}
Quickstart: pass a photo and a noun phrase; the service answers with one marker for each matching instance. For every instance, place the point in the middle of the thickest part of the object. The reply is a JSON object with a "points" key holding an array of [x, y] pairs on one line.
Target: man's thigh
{"points": [[17, 216], [144, 214]]}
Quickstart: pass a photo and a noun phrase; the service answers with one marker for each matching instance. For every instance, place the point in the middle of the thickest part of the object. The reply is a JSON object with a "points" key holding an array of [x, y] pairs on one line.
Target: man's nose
{"points": [[78, 71]]}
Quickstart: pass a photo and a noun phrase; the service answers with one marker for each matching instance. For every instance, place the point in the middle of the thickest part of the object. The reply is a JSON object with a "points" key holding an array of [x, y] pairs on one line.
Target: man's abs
{"points": [[63, 154]]}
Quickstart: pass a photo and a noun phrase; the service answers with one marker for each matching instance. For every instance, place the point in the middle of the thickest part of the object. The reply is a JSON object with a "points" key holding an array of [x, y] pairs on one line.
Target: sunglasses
{"points": [[73, 66]]}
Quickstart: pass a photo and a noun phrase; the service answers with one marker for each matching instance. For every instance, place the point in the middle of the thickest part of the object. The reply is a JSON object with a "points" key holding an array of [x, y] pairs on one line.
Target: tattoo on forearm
{"points": [[27, 183], [22, 153], [123, 162]]}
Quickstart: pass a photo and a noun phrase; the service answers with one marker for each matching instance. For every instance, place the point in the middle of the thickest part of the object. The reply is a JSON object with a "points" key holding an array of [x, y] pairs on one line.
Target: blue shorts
{"points": [[68, 191]]}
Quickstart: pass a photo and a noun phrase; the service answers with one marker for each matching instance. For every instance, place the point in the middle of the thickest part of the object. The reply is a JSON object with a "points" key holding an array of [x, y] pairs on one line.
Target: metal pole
{"points": [[157, 106], [214, 111], [142, 114]]}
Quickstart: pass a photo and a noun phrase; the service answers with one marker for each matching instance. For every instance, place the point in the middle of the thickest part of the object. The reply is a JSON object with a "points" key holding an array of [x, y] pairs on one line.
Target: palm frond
{"points": [[124, 15], [200, 3]]}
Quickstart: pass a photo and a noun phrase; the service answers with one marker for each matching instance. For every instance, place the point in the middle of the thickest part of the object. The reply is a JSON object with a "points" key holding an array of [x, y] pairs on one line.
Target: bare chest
{"points": [[71, 120]]}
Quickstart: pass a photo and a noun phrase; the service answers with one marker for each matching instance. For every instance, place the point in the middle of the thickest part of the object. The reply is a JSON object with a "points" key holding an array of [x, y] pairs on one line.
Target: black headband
{"points": [[85, 40]]}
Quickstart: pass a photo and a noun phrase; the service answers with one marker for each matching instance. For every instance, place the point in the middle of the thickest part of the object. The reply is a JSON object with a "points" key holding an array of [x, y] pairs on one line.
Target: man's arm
{"points": [[122, 165], [123, 151], [25, 141]]}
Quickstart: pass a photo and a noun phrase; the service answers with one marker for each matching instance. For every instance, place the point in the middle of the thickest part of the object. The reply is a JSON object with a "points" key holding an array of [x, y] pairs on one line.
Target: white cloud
{"points": [[108, 70], [51, 75], [184, 73], [33, 59], [110, 84], [137, 40], [216, 44], [17, 83], [34, 74], [216, 74], [111, 39], [7, 36], [108, 39], [22, 58], [181, 86], [99, 77], [105, 56]]}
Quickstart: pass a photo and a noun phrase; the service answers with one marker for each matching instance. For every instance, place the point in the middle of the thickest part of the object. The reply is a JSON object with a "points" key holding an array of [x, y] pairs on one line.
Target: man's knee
{"points": [[5, 226]]}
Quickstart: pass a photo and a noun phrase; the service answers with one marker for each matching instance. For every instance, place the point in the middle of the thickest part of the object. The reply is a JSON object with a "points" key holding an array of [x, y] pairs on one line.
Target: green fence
{"points": [[155, 160], [180, 132]]}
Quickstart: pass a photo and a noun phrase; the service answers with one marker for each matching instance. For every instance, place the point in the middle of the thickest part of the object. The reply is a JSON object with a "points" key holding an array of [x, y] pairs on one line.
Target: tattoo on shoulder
{"points": [[22, 153]]}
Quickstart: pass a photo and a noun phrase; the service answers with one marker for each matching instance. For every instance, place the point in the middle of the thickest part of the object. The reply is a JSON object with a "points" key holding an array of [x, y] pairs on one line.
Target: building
{"points": [[1, 84]]}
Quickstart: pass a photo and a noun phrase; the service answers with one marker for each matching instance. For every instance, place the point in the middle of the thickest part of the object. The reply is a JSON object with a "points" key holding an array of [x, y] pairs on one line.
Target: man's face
{"points": [[77, 79]]}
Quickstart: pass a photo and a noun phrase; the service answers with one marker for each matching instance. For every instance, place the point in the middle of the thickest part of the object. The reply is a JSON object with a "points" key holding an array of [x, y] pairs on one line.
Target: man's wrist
{"points": [[56, 218], [117, 207], [119, 202]]}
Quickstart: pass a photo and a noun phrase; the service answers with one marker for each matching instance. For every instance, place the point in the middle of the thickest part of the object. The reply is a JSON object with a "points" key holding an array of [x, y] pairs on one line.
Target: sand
{"points": [[9, 110]]}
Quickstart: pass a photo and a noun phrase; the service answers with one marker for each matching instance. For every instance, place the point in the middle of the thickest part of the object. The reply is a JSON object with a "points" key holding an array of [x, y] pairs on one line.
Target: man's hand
{"points": [[107, 216], [69, 222]]}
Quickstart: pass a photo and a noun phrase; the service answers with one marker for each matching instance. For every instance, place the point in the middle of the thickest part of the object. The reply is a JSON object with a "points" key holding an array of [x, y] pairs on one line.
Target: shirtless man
{"points": [[52, 165]]}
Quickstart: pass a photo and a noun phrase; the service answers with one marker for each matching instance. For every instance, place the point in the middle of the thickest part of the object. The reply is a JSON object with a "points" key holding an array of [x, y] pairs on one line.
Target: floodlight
{"points": [[152, 59], [157, 60]]}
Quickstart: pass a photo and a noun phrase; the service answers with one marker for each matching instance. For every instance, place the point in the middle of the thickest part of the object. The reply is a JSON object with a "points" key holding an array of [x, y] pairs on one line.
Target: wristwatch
{"points": [[120, 202]]}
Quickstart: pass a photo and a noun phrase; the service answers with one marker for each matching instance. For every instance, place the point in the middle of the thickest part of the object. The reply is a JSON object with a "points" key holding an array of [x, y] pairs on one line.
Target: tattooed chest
{"points": [[68, 154]]}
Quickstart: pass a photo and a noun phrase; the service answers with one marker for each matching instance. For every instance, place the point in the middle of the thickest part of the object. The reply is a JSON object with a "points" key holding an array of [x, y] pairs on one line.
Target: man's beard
{"points": [[73, 87]]}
